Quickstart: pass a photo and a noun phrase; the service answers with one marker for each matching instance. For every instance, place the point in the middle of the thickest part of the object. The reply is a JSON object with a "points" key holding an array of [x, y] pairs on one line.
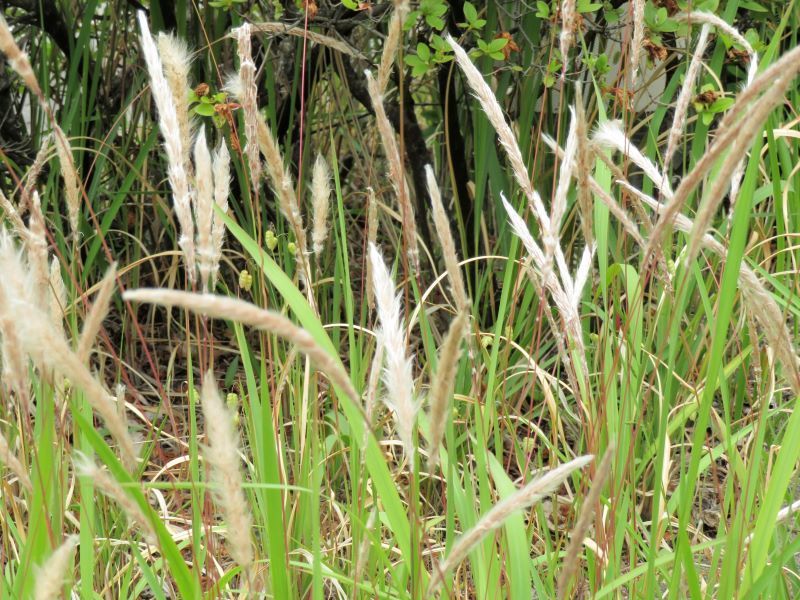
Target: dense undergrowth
{"points": [[475, 301]]}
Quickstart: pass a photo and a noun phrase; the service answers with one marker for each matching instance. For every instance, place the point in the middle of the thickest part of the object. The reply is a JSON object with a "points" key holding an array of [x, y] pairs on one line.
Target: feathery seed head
{"points": [[320, 195], [396, 170], [222, 456], [443, 382], [442, 225], [397, 375], [110, 487], [611, 135], [173, 145], [204, 209], [530, 494], [52, 575], [222, 182], [18, 60], [177, 60], [70, 175]]}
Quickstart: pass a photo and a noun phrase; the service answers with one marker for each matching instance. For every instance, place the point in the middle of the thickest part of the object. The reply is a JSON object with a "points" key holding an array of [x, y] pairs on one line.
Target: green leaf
{"points": [[587, 6], [440, 45], [435, 22], [542, 10], [351, 4], [753, 6], [497, 44], [419, 70], [412, 19], [423, 52], [204, 110], [418, 66], [470, 13], [721, 104]]}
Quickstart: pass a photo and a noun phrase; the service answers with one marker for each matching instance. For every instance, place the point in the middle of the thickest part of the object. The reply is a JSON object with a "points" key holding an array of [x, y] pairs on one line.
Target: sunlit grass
{"points": [[556, 402]]}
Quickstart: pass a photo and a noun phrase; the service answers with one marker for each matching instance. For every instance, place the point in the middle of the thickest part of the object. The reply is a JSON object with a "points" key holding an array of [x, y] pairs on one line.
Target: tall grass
{"points": [[589, 392]]}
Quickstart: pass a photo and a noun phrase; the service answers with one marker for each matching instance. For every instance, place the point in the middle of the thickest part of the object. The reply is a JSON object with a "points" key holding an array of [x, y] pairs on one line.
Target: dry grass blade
{"points": [[572, 554], [442, 225], [54, 572], [397, 376], [532, 493], [220, 307], [222, 456], [443, 382]]}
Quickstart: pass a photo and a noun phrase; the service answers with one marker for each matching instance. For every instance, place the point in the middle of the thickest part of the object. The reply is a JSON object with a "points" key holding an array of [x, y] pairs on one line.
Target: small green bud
{"points": [[245, 280], [232, 402], [291, 247], [271, 240]]}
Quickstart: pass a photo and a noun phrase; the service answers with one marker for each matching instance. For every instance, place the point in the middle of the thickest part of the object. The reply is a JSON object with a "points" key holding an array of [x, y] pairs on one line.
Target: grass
{"points": [[608, 384]]}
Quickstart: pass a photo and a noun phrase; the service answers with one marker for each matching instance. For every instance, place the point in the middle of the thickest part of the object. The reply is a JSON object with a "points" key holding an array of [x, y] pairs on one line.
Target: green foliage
{"points": [[431, 12], [473, 22], [225, 4]]}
